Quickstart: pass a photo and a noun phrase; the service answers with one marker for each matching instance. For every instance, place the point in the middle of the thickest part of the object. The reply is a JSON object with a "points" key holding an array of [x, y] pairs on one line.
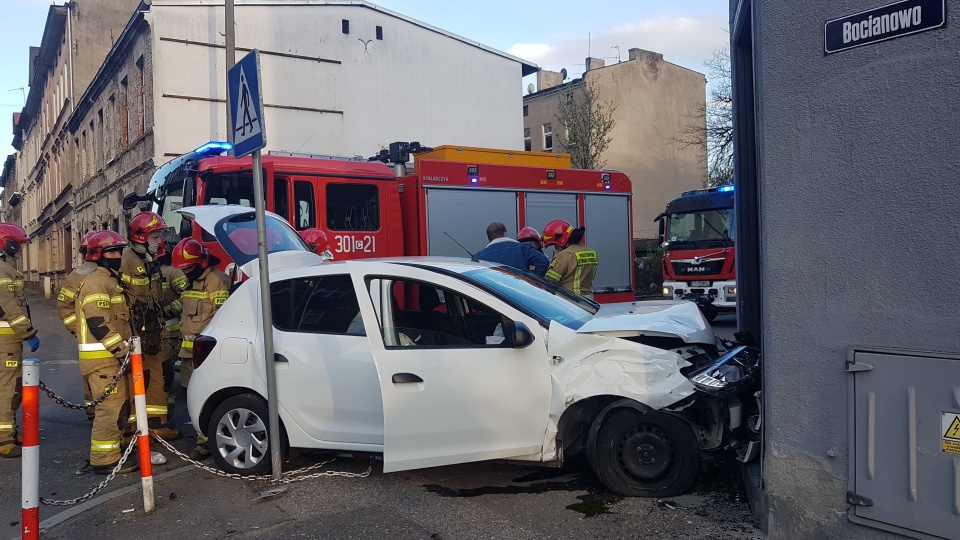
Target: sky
{"points": [[553, 34]]}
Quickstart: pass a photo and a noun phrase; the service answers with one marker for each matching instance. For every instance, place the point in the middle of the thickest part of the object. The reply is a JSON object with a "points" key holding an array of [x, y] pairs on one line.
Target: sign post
{"points": [[249, 136]]}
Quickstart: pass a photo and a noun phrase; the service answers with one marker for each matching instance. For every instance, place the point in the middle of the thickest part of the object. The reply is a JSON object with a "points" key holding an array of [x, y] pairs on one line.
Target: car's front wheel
{"points": [[651, 454], [239, 437]]}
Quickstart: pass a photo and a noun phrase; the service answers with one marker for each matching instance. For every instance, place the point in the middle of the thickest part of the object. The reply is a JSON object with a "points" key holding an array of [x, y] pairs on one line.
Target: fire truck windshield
{"points": [[171, 199], [714, 227]]}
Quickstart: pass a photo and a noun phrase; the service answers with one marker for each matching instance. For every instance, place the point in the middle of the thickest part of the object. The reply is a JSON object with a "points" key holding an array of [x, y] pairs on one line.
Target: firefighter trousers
{"points": [[156, 397], [171, 348], [11, 354], [110, 426]]}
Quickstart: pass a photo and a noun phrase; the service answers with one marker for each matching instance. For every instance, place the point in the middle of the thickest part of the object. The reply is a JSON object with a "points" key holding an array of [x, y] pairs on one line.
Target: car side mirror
{"points": [[186, 227], [130, 201], [522, 336]]}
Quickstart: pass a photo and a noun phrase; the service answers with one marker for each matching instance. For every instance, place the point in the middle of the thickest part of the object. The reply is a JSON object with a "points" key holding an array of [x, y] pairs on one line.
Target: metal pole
{"points": [[272, 412], [143, 431], [230, 38], [30, 471]]}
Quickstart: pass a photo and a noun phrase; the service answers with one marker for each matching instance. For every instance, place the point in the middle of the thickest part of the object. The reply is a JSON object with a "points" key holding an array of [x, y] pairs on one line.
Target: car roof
{"points": [[442, 264]]}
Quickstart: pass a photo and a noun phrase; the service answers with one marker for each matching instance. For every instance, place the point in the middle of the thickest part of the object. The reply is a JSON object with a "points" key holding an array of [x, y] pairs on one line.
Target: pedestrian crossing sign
{"points": [[246, 105]]}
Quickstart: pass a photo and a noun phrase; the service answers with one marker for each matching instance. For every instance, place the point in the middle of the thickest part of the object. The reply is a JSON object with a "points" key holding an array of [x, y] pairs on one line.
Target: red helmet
{"points": [[101, 242], [316, 240], [143, 224], [557, 233], [11, 237], [85, 241], [189, 252], [529, 234]]}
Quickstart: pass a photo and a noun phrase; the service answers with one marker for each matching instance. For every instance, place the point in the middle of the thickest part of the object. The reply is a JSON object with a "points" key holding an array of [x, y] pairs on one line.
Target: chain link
{"points": [[288, 477], [113, 473], [106, 393]]}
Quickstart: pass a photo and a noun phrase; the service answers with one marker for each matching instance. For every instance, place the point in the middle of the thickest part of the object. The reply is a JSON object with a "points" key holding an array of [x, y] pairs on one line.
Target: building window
{"points": [[100, 141], [526, 110], [548, 137], [526, 139], [123, 117], [139, 94], [345, 26], [380, 33]]}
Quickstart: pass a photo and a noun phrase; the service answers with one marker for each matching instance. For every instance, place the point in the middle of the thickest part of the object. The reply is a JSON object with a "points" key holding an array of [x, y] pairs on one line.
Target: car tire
{"points": [[238, 433], [651, 454], [710, 313]]}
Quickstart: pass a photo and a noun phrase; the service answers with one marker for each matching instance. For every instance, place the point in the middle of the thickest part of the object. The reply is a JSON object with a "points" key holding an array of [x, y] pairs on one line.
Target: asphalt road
{"points": [[480, 500]]}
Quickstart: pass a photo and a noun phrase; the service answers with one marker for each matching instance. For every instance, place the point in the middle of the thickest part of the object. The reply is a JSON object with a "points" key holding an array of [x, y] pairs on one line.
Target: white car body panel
{"points": [[475, 403], [653, 318]]}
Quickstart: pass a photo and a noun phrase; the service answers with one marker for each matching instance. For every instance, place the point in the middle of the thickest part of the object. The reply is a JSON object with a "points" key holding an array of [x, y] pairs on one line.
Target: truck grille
{"points": [[710, 268]]}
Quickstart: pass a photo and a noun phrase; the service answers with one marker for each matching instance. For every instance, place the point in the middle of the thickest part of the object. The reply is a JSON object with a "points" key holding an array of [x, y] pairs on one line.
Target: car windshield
{"points": [[543, 300], [238, 236], [706, 225]]}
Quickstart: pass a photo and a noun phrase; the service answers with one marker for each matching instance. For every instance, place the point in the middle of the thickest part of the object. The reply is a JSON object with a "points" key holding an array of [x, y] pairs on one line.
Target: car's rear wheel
{"points": [[651, 454], [239, 436]]}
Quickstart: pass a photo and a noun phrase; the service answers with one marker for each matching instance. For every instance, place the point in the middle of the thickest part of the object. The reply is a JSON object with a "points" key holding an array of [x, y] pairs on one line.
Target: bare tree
{"points": [[711, 125], [585, 124]]}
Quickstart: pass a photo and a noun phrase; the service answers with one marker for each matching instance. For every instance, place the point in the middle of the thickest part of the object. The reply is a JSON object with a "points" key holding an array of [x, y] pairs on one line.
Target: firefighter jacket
{"points": [[173, 284], [15, 323], [574, 268], [103, 321], [201, 301], [67, 299], [144, 288]]}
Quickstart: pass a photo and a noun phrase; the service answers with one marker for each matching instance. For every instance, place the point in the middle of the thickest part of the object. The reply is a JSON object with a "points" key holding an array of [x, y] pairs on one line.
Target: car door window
{"points": [[316, 304], [425, 315]]}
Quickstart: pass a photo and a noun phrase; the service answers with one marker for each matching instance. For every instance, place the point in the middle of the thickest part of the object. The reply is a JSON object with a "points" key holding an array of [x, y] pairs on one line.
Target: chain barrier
{"points": [[106, 393], [289, 477], [113, 473]]}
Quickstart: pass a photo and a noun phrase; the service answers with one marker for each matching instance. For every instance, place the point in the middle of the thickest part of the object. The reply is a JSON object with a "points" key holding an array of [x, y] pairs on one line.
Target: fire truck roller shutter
{"points": [[608, 232], [464, 214], [542, 208]]}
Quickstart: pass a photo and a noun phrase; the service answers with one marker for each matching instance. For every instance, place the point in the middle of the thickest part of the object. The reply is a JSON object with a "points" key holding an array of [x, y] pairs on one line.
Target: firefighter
{"points": [[207, 290], [140, 273], [574, 265], [531, 236], [67, 298], [15, 328], [174, 282], [102, 330], [317, 241]]}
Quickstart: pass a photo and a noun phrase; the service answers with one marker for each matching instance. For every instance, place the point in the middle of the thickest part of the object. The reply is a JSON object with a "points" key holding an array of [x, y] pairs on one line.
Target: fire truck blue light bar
{"points": [[214, 147]]}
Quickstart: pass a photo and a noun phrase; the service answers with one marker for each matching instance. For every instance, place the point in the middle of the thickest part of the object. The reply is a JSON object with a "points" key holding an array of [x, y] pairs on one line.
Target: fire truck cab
{"points": [[698, 235], [442, 206]]}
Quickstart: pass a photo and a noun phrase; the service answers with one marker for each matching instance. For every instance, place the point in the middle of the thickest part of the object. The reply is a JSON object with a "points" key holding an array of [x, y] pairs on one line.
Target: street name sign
{"points": [[883, 23], [246, 105]]}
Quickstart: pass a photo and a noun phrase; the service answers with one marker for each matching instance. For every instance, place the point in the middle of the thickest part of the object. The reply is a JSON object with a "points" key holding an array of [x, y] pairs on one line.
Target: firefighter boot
{"points": [[9, 398], [160, 428], [202, 450], [11, 451], [130, 465]]}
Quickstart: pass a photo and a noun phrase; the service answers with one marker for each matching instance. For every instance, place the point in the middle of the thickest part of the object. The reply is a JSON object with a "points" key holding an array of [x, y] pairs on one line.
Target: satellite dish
{"points": [[563, 73], [530, 88]]}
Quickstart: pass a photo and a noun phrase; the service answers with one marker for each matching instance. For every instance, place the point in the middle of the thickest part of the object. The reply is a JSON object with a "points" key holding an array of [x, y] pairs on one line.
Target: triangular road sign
{"points": [[953, 432]]}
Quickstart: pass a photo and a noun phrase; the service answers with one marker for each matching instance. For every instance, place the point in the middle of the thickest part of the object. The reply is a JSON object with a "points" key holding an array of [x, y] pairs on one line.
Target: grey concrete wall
{"points": [[859, 161], [655, 100]]}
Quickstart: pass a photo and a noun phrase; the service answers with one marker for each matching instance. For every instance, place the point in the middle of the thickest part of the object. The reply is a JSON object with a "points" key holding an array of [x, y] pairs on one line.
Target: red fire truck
{"points": [[699, 260], [377, 208]]}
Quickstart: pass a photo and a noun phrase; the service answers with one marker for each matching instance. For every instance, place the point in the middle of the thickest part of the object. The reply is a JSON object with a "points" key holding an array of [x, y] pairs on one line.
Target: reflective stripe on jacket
{"points": [[201, 300], [15, 323], [103, 318], [574, 268], [67, 298]]}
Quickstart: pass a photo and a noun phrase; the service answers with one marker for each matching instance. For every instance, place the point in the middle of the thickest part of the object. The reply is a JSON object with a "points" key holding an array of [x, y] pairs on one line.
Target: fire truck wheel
{"points": [[652, 454]]}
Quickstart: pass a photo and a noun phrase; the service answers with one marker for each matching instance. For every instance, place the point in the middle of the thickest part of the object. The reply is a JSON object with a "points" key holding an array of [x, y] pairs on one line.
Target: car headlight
{"points": [[729, 373]]}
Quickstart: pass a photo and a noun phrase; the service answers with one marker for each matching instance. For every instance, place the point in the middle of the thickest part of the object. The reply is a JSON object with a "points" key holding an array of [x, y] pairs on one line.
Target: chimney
{"points": [[594, 63], [548, 79], [646, 56]]}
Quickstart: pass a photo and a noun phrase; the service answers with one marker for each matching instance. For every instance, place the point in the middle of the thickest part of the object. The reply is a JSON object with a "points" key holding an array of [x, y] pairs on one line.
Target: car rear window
{"points": [[322, 305]]}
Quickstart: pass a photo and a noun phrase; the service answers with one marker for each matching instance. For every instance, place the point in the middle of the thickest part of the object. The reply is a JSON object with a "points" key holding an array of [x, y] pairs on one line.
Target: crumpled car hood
{"points": [[653, 318]]}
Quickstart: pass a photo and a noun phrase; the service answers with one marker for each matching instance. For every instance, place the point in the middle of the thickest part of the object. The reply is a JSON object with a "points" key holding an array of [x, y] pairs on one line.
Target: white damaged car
{"points": [[437, 361]]}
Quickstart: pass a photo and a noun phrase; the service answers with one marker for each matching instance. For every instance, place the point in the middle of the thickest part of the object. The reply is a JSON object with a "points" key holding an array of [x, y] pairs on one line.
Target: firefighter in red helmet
{"points": [[15, 328], [574, 265], [67, 299], [140, 274], [102, 327], [318, 243], [207, 289]]}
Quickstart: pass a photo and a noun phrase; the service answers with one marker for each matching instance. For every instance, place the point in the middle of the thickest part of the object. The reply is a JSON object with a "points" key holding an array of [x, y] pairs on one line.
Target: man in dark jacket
{"points": [[505, 250]]}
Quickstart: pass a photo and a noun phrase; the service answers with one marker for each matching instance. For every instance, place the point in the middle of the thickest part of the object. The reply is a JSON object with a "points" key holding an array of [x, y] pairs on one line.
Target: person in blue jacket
{"points": [[505, 250]]}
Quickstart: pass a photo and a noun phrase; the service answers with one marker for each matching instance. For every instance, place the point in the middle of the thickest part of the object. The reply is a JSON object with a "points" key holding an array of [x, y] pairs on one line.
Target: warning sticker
{"points": [[950, 427]]}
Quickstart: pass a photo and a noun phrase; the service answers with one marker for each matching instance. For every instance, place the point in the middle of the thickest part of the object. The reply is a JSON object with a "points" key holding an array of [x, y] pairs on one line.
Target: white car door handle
{"points": [[406, 378]]}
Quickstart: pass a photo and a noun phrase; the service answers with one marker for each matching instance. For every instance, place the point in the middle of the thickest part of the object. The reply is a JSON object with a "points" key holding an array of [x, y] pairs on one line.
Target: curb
{"points": [[53, 521]]}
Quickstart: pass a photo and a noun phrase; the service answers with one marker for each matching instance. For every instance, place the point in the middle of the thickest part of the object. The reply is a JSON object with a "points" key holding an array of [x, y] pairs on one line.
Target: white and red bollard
{"points": [[30, 460], [143, 430]]}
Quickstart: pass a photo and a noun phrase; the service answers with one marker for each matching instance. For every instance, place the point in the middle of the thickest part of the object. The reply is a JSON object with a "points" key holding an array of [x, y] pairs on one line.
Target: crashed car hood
{"points": [[653, 318]]}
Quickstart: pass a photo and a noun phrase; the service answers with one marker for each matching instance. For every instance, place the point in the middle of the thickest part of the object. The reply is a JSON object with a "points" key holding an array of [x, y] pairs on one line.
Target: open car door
{"points": [[456, 384]]}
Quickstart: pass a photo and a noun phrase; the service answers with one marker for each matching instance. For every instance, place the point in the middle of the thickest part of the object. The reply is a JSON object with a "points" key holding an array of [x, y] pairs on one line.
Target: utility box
{"points": [[904, 426]]}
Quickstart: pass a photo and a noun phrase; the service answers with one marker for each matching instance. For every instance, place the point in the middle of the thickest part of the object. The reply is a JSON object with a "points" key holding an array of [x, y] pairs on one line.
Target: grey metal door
{"points": [[905, 473], [464, 214], [607, 220], [542, 208]]}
